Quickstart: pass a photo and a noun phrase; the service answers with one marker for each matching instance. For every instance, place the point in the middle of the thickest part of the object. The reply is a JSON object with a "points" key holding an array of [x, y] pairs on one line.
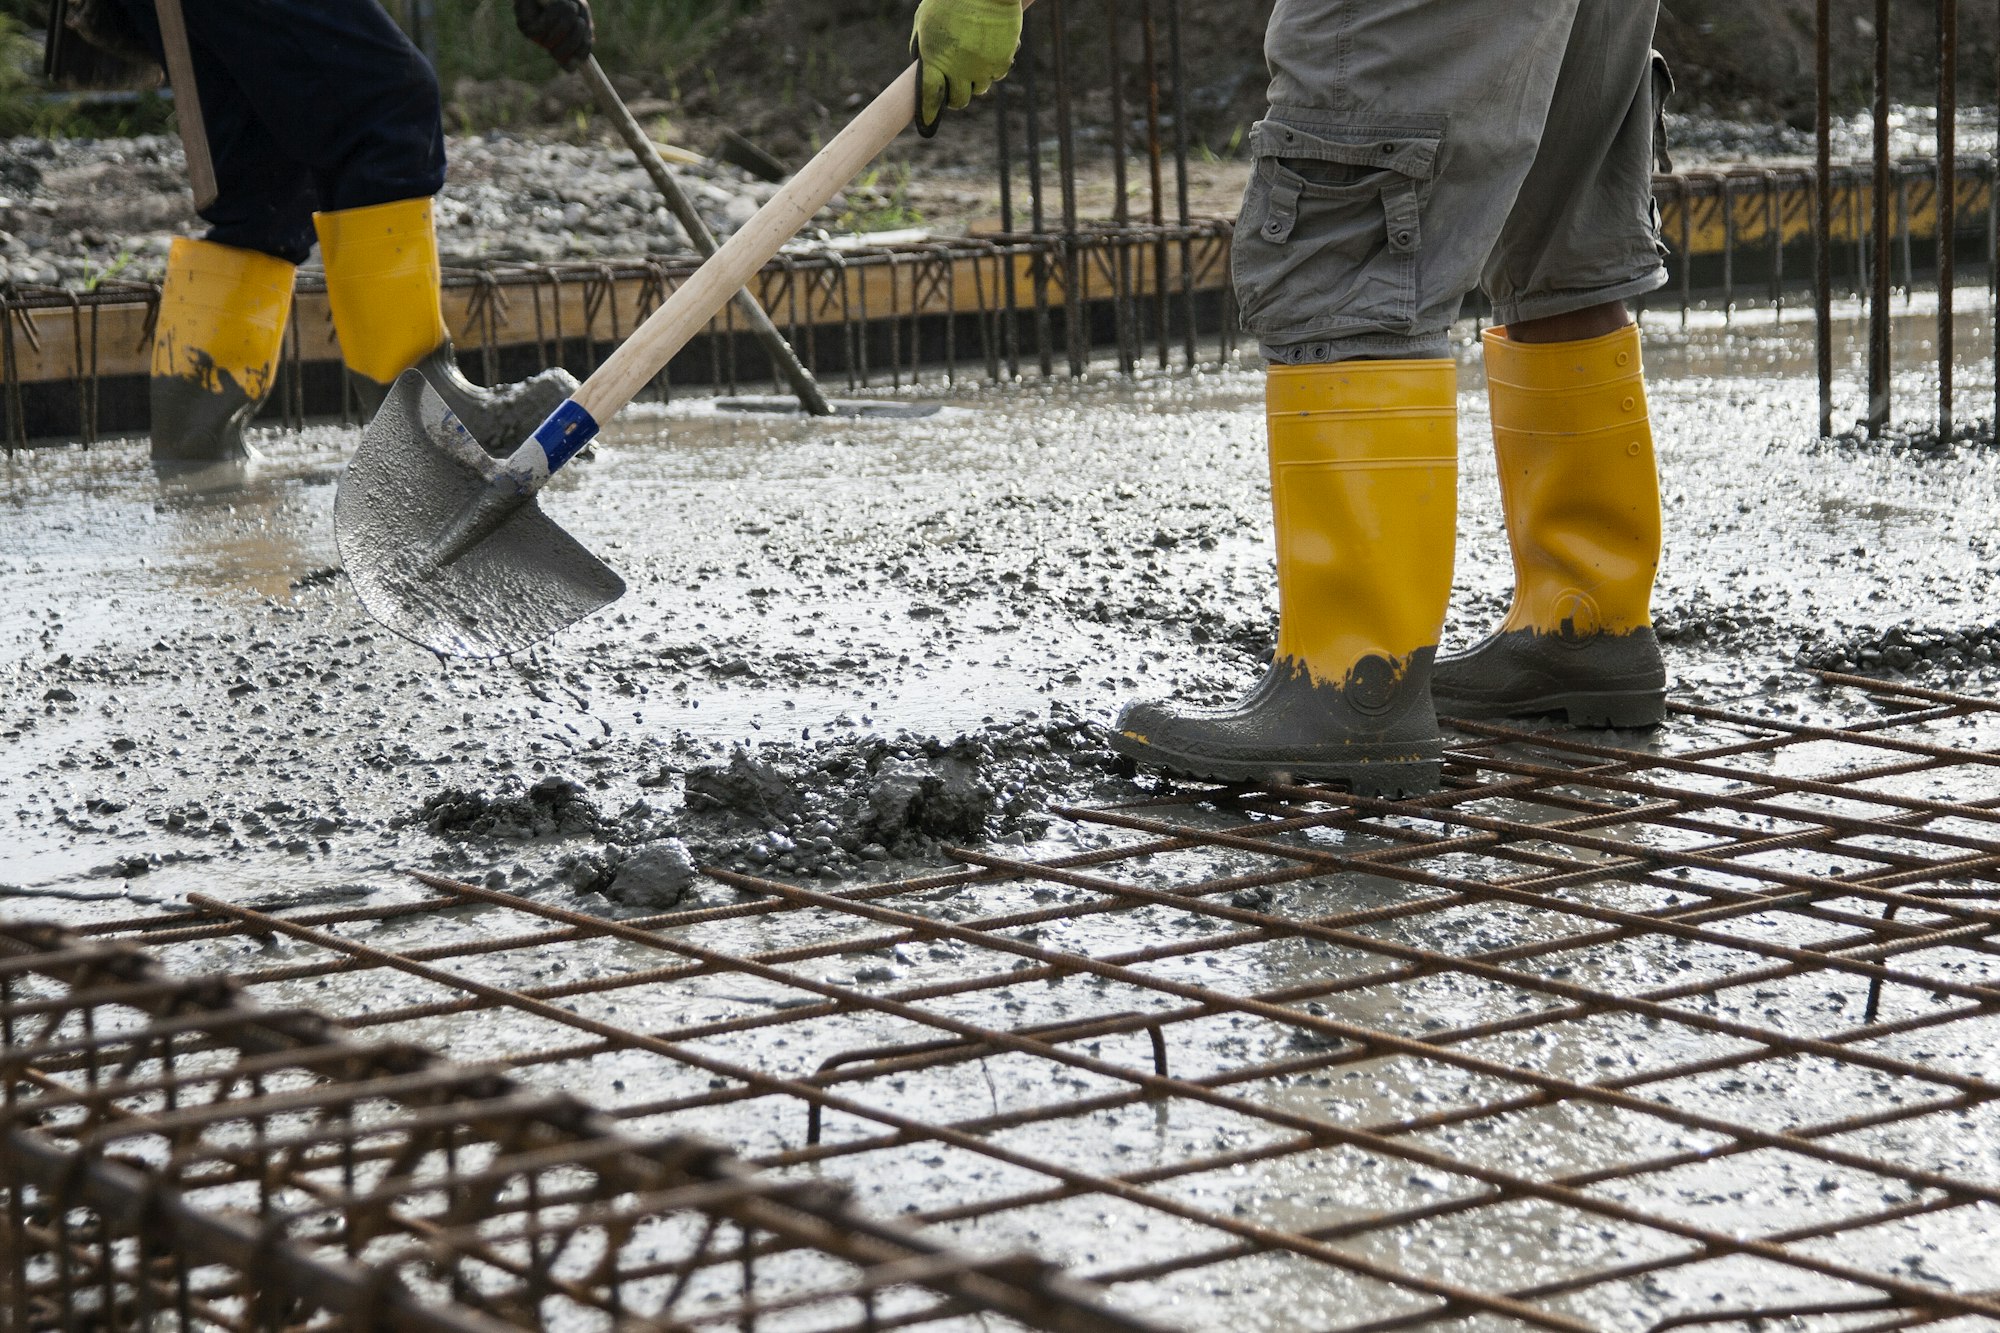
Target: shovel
{"points": [[448, 547]]}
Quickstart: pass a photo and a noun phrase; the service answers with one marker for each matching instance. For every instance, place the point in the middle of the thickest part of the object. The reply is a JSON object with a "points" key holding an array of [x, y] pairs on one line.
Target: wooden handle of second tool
{"points": [[761, 328], [716, 282], [187, 101]]}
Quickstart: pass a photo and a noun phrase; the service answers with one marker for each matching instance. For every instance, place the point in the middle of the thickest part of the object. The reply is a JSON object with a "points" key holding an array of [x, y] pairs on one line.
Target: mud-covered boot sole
{"points": [[1392, 773], [1607, 680], [1624, 710]]}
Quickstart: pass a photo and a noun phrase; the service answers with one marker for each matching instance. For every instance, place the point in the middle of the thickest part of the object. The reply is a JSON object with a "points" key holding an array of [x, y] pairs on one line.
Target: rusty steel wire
{"points": [[1597, 1036], [949, 299], [173, 1156]]}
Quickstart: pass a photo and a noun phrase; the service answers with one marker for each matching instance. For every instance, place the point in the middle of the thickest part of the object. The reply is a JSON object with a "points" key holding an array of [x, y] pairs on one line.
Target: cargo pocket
{"points": [[1331, 231]]}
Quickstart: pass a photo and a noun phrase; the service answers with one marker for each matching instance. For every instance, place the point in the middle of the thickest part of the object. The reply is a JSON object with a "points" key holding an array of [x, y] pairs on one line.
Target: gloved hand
{"points": [[560, 27], [967, 46]]}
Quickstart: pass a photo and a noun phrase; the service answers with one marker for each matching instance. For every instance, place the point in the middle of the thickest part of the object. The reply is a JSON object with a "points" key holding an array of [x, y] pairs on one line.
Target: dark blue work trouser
{"points": [[311, 105]]}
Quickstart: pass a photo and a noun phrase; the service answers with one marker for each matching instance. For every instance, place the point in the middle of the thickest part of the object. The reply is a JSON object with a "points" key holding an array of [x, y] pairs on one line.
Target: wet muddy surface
{"points": [[843, 644], [846, 649]]}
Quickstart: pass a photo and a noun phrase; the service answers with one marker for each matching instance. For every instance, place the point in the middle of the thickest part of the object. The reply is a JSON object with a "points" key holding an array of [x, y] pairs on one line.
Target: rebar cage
{"points": [[1595, 1037], [177, 1158]]}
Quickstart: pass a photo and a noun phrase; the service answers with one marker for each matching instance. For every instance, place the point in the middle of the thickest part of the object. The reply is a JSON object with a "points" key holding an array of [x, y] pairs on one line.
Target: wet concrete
{"points": [[847, 643], [910, 630]]}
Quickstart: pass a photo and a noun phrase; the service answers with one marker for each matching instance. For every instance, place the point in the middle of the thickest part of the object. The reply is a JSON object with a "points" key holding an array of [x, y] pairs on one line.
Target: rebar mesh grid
{"points": [[1596, 1037], [172, 1157]]}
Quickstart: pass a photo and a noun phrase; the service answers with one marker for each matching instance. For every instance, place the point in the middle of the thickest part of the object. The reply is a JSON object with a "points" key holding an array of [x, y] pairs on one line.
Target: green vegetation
{"points": [[477, 38], [19, 65], [876, 207]]}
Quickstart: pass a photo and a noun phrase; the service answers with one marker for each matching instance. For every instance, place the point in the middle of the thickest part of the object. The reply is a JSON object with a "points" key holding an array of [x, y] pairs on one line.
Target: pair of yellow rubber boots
{"points": [[221, 327], [1364, 484]]}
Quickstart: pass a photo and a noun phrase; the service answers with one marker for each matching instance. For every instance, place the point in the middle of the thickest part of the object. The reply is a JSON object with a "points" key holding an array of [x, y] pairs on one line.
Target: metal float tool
{"points": [[449, 548], [810, 396]]}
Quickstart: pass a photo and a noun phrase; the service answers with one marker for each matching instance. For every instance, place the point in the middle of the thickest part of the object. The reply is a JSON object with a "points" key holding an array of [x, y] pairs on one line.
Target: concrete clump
{"points": [[654, 878], [845, 809], [1908, 650], [552, 807]]}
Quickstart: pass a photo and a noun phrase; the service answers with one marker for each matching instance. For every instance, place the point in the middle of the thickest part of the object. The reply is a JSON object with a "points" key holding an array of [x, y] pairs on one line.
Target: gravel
{"points": [[77, 212]]}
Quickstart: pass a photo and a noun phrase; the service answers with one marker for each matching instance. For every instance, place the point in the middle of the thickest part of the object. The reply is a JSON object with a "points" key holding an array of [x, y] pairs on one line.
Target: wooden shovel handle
{"points": [[702, 296]]}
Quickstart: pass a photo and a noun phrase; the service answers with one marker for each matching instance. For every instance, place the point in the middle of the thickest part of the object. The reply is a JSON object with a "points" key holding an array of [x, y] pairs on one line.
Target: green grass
{"points": [[20, 68], [477, 38], [885, 206]]}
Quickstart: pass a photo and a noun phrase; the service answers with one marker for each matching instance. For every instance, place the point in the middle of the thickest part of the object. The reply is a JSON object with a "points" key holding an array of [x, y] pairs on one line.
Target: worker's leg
{"points": [[352, 108], [1571, 430], [1398, 137], [384, 283], [226, 298]]}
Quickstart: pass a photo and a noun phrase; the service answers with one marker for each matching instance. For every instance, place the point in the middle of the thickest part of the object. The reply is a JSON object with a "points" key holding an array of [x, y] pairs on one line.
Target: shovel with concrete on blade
{"points": [[447, 547]]}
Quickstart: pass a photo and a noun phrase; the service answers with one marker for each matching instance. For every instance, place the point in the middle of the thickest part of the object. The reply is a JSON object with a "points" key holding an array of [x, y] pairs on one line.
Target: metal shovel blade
{"points": [[416, 472]]}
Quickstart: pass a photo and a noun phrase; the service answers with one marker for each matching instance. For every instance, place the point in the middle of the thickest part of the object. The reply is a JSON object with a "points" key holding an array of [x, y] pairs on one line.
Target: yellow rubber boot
{"points": [[1364, 488], [215, 348], [1581, 493], [385, 285]]}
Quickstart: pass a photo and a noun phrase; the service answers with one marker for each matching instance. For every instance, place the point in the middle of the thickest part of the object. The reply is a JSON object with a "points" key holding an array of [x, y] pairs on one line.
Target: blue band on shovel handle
{"points": [[565, 434]]}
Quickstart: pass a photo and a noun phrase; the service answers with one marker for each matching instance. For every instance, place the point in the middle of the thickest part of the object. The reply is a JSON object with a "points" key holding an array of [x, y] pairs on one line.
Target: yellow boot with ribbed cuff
{"points": [[384, 285], [1364, 487], [216, 342], [1581, 493]]}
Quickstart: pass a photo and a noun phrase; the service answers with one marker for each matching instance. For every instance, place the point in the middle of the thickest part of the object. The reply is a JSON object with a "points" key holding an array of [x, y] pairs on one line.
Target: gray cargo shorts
{"points": [[1417, 149]]}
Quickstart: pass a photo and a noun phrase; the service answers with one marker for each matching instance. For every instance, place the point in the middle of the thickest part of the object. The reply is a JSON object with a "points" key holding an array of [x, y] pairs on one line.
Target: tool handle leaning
{"points": [[187, 101], [702, 296], [761, 328], [716, 282]]}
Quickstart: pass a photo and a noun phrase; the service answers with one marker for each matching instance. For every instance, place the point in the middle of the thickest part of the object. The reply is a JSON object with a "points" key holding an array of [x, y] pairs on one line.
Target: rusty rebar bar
{"points": [[1883, 181]]}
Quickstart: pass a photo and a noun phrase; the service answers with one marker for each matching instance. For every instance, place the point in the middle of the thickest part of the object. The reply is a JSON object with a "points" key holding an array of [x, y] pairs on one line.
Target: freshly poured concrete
{"points": [[192, 701], [1031, 546]]}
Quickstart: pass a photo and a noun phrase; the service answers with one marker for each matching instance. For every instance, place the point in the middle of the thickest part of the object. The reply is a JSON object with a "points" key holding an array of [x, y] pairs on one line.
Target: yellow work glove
{"points": [[967, 46]]}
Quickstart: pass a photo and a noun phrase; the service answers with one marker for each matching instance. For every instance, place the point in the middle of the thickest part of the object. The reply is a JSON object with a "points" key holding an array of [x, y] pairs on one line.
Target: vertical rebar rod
{"points": [[1726, 198], [1076, 312], [1037, 214], [1778, 212], [1903, 229], [1121, 211], [1878, 306], [1004, 138], [17, 417], [1178, 57], [1687, 248], [1161, 311], [1822, 217], [1947, 205]]}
